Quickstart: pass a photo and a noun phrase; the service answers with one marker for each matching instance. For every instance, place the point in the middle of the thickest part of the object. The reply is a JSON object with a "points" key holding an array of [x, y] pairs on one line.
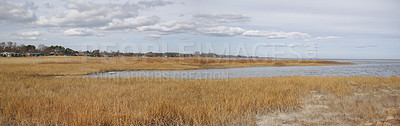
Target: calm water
{"points": [[378, 68]]}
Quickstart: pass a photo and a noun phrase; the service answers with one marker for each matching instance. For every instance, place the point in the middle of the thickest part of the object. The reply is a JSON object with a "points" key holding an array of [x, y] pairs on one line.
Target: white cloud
{"points": [[54, 30], [16, 12], [131, 23], [81, 5], [212, 25], [26, 34], [28, 38], [276, 35], [29, 35], [88, 14], [170, 27], [222, 17], [175, 27], [221, 31], [199, 25], [327, 37], [154, 3], [78, 32], [48, 5], [154, 37], [363, 46]]}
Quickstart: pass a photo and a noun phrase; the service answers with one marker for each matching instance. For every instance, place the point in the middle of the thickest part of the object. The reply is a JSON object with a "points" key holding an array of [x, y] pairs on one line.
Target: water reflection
{"points": [[378, 68]]}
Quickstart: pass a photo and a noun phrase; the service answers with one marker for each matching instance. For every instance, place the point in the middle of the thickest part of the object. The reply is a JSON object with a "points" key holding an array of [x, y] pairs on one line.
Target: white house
{"points": [[10, 54]]}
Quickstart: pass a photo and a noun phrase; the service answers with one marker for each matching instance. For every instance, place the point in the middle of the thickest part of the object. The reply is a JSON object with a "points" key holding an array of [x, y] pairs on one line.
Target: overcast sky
{"points": [[285, 28]]}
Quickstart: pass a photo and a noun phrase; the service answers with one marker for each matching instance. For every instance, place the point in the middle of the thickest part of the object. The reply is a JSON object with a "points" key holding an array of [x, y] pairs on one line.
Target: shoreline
{"points": [[58, 66], [29, 96]]}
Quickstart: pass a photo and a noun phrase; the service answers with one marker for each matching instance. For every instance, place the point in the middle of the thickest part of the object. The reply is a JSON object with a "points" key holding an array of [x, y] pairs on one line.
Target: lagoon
{"points": [[363, 67]]}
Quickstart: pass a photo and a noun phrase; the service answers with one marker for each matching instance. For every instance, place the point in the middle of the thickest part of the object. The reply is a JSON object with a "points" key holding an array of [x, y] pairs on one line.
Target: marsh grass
{"points": [[146, 101], [373, 101], [85, 65], [28, 97]]}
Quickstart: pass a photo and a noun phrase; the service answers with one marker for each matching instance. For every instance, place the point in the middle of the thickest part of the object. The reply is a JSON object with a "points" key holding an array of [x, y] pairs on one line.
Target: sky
{"points": [[356, 29]]}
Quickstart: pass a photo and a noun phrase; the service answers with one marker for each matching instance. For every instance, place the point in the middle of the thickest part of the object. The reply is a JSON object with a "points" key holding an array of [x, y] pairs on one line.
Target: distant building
{"points": [[34, 54], [10, 54], [185, 55], [79, 54], [151, 54], [209, 55], [134, 54], [171, 54], [53, 54], [107, 55]]}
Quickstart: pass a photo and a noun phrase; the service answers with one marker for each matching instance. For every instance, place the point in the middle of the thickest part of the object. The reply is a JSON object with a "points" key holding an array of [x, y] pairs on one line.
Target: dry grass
{"points": [[84, 101], [87, 65], [379, 105], [29, 99]]}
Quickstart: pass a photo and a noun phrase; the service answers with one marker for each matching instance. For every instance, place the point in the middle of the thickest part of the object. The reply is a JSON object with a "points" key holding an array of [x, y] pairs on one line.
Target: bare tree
{"points": [[14, 47], [2, 46], [42, 47], [8, 47], [31, 48], [21, 48]]}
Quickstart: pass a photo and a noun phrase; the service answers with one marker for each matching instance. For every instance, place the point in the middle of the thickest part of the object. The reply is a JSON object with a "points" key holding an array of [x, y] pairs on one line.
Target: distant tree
{"points": [[69, 52], [22, 48], [2, 46], [57, 49], [96, 53], [14, 47], [31, 48], [42, 47], [8, 47]]}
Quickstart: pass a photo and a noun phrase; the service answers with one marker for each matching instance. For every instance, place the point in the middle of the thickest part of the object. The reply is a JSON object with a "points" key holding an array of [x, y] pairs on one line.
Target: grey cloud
{"points": [[48, 5], [364, 46], [79, 32], [183, 38], [54, 30], [26, 34], [11, 12], [154, 3], [154, 37], [175, 27], [169, 27], [327, 37], [29, 35], [213, 27], [80, 5], [276, 35], [88, 14], [222, 17], [221, 31], [198, 25], [131, 23]]}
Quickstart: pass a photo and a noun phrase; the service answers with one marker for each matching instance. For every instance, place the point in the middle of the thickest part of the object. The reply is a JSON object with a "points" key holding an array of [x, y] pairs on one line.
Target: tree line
{"points": [[14, 47], [60, 50]]}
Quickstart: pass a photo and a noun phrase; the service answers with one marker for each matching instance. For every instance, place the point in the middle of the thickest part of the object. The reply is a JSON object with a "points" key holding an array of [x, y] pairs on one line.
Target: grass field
{"points": [[85, 65], [30, 95]]}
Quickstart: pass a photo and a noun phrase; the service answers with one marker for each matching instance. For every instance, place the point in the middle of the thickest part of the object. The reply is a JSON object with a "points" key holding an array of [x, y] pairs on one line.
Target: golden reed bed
{"points": [[30, 96], [86, 65]]}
